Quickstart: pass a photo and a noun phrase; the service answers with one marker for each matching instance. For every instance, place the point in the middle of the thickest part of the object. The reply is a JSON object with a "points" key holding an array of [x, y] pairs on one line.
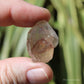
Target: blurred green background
{"points": [[67, 19]]}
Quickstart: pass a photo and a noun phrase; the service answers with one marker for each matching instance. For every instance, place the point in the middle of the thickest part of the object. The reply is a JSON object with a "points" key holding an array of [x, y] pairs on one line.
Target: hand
{"points": [[22, 70]]}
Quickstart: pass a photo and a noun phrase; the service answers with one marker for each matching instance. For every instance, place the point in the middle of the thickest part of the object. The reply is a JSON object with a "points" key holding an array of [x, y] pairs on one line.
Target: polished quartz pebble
{"points": [[42, 40]]}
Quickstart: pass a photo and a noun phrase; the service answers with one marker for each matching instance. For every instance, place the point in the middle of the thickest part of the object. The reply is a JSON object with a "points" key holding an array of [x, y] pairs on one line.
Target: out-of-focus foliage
{"points": [[67, 18]]}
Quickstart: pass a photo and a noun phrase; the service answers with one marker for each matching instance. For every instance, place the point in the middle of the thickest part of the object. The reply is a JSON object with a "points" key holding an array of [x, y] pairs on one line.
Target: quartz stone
{"points": [[41, 41]]}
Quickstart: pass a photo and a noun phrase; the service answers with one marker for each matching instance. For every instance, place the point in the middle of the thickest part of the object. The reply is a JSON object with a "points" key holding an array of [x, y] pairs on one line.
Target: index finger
{"points": [[22, 14]]}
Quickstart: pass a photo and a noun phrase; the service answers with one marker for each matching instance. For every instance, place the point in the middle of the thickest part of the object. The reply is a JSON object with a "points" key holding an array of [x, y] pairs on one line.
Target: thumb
{"points": [[22, 70]]}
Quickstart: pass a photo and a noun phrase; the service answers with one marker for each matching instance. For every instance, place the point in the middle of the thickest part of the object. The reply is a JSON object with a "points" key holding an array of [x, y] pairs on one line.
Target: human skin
{"points": [[22, 70], [20, 13]]}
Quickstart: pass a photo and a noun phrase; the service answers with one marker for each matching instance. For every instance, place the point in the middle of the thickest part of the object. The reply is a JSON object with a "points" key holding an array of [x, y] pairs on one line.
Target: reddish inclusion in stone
{"points": [[41, 46]]}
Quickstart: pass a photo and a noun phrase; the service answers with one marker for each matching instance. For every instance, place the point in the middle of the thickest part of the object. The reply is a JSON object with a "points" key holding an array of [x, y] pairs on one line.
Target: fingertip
{"points": [[26, 15], [42, 74], [48, 71], [48, 15]]}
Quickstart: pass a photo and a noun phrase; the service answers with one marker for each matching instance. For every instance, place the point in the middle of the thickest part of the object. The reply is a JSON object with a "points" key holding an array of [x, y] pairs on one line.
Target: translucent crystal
{"points": [[41, 42]]}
